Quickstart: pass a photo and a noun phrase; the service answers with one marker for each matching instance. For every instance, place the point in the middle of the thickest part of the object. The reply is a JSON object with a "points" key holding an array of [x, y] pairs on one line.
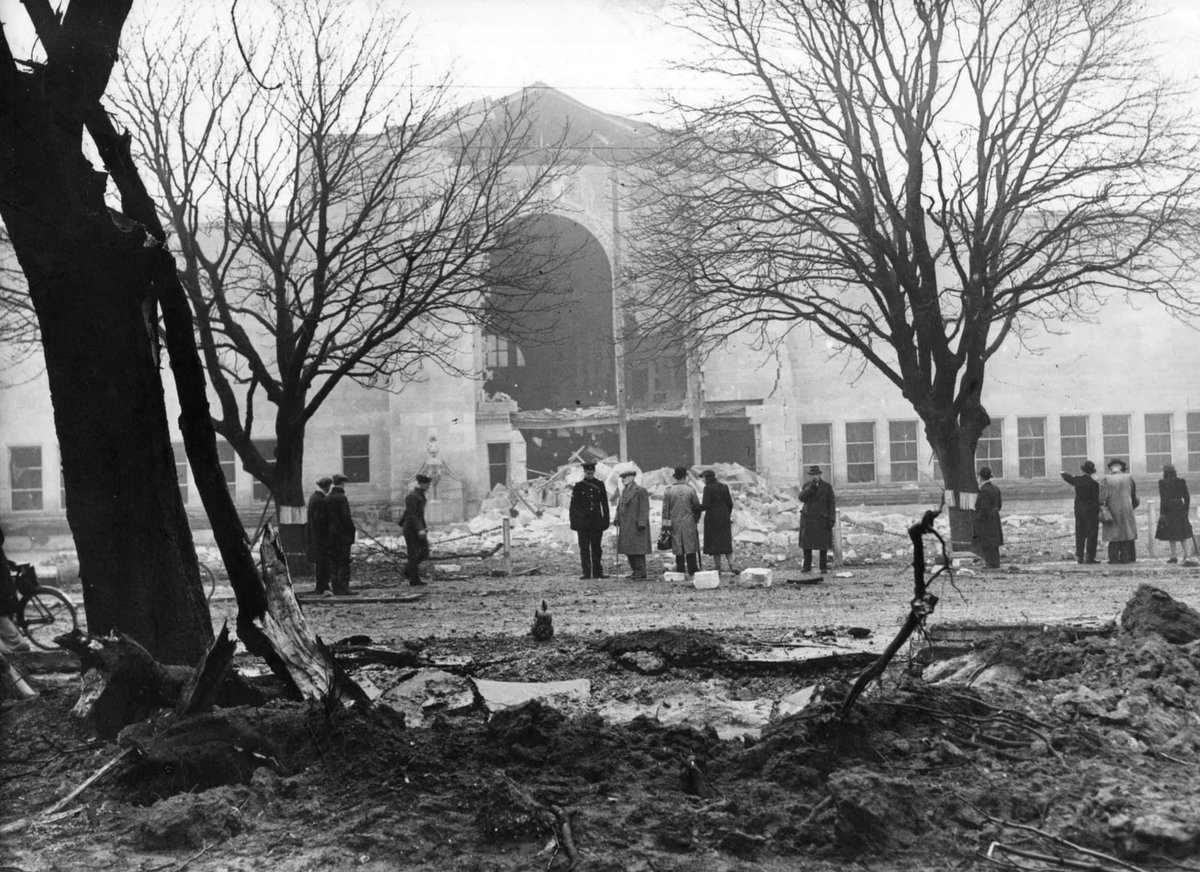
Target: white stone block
{"points": [[706, 580], [756, 577]]}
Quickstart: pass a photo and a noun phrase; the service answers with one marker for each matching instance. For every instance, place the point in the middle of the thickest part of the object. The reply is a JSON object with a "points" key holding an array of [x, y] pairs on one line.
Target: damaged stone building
{"points": [[1122, 384]]}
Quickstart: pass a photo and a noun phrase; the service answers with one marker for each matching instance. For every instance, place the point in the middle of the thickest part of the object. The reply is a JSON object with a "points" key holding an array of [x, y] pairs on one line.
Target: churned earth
{"points": [[706, 735]]}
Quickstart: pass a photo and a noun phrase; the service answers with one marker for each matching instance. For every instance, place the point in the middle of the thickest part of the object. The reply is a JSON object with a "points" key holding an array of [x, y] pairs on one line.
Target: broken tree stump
{"points": [[202, 688], [308, 665]]}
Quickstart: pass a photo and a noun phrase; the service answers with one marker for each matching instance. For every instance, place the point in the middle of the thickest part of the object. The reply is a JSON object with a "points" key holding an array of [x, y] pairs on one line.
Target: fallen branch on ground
{"points": [[921, 606]]}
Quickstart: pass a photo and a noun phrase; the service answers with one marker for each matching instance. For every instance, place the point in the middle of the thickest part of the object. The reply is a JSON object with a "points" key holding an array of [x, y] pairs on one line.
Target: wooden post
{"points": [[837, 537], [1151, 526], [618, 325], [506, 526], [695, 391]]}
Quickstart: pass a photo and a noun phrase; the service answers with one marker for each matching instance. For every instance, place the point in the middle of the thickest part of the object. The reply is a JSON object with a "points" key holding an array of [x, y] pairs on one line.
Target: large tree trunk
{"points": [[90, 281], [289, 491], [954, 439]]}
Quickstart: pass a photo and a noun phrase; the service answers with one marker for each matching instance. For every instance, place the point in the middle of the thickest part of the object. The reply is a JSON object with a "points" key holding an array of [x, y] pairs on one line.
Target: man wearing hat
{"points": [[633, 523], [1087, 511], [988, 535], [589, 520], [717, 505], [316, 535], [1119, 494], [680, 511], [341, 535], [416, 536], [816, 519]]}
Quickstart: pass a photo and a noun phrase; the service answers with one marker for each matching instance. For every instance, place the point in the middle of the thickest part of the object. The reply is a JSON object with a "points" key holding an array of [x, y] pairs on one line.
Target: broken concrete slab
{"points": [[498, 695], [796, 702], [430, 692]]}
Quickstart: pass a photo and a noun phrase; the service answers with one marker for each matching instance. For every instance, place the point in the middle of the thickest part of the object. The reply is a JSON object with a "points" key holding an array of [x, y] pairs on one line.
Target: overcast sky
{"points": [[612, 54]]}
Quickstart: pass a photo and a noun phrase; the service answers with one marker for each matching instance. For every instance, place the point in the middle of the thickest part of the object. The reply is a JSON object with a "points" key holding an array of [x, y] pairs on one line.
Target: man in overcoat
{"points": [[1118, 492], [633, 523], [989, 535], [341, 535], [316, 534], [680, 511], [717, 505], [1087, 511], [816, 519], [589, 520], [416, 534]]}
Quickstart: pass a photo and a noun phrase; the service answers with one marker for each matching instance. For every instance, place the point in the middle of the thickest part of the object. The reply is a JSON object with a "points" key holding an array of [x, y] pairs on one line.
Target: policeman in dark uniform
{"points": [[589, 520]]}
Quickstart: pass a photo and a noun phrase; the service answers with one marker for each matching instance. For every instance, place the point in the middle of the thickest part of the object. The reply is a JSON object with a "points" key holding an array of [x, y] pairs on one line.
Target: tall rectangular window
{"points": [[497, 463], [25, 473], [902, 438], [356, 458], [259, 492], [181, 467], [990, 450], [1073, 430], [860, 451], [816, 447], [1116, 437], [1031, 447], [1193, 430], [228, 460], [1158, 441]]}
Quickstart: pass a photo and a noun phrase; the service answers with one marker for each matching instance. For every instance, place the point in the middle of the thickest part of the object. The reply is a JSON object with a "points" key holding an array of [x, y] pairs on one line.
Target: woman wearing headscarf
{"points": [[1118, 494], [1174, 501]]}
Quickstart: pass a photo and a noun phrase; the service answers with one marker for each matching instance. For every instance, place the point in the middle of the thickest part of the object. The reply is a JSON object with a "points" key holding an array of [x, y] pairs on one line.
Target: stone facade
{"points": [[1123, 385]]}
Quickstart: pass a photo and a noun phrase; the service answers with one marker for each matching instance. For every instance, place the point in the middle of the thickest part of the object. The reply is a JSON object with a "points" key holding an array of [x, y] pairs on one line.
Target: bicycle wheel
{"points": [[208, 580], [45, 614]]}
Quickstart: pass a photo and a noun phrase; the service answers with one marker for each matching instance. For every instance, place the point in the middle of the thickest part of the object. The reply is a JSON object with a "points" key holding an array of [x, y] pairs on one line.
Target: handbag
{"points": [[665, 541], [1106, 515]]}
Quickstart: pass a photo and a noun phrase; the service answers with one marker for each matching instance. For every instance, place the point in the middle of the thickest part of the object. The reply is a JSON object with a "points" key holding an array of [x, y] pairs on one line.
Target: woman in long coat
{"points": [[633, 523], [1119, 494], [1174, 501], [680, 511], [717, 505]]}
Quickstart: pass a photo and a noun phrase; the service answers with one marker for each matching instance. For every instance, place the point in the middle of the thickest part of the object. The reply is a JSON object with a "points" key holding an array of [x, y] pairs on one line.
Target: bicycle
{"points": [[43, 612]]}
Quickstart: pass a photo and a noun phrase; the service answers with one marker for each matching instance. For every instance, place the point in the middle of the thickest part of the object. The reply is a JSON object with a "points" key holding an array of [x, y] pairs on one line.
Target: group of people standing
{"points": [[590, 516], [681, 513], [329, 535], [1106, 507]]}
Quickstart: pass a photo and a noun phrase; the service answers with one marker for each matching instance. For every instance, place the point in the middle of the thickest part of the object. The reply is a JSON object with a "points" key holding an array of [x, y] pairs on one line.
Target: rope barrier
{"points": [[873, 529], [396, 551]]}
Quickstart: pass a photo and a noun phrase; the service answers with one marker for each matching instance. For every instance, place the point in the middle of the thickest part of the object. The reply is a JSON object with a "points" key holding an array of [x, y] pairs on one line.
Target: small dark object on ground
{"points": [[543, 624], [808, 579], [858, 632]]}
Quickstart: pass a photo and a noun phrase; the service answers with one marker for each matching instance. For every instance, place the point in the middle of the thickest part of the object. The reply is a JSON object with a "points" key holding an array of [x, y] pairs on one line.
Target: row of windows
{"points": [[1074, 442], [25, 470]]}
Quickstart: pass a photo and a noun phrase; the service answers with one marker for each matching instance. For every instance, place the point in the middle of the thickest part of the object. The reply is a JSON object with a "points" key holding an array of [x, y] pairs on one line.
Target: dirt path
{"points": [[873, 597]]}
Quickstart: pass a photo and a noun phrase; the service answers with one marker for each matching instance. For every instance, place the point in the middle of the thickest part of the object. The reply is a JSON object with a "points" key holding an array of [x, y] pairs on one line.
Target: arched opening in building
{"points": [[549, 343]]}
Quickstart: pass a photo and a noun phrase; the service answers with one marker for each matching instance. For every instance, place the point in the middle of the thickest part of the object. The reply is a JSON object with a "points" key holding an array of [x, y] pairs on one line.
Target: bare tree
{"points": [[336, 222], [920, 181]]}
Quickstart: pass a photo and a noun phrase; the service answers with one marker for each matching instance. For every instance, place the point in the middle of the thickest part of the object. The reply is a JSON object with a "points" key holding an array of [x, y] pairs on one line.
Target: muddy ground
{"points": [[704, 739]]}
